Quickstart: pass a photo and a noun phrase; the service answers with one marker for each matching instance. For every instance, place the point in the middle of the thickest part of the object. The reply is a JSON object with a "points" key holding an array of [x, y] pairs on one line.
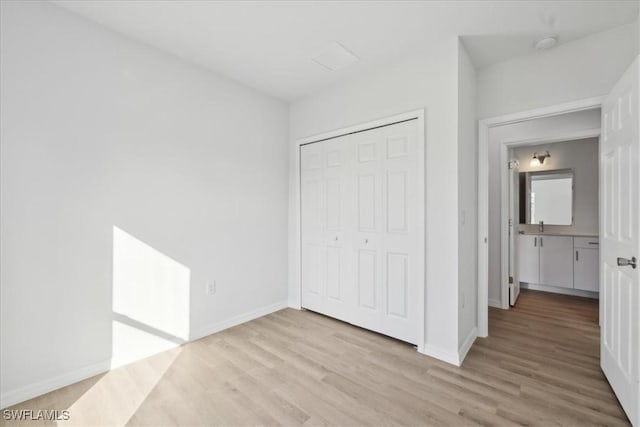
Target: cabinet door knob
{"points": [[576, 255]]}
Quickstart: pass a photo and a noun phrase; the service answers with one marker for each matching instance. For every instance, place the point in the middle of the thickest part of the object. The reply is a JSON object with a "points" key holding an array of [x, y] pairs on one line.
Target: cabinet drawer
{"points": [[586, 242]]}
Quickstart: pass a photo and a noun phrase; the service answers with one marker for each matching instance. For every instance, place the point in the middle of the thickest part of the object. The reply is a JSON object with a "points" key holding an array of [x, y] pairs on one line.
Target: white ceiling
{"points": [[268, 45]]}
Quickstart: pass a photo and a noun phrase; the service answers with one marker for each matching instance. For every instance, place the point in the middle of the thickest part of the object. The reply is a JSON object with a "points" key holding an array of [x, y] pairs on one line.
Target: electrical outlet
{"points": [[211, 287]]}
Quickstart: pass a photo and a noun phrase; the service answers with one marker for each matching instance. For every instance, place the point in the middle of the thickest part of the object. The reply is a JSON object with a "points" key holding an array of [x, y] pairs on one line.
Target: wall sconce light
{"points": [[538, 158]]}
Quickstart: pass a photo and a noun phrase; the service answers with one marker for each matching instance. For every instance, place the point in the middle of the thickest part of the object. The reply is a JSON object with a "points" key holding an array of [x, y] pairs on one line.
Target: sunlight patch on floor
{"points": [[115, 398]]}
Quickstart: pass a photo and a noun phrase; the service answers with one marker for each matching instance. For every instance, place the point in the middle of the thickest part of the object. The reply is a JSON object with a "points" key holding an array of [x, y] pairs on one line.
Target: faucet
{"points": [[541, 226]]}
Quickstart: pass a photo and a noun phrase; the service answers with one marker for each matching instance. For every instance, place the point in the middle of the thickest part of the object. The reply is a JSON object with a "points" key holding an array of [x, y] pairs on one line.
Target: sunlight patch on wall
{"points": [[151, 295]]}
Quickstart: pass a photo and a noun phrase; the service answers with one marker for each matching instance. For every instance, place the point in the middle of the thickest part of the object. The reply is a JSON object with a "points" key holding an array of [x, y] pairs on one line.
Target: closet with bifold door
{"points": [[360, 229]]}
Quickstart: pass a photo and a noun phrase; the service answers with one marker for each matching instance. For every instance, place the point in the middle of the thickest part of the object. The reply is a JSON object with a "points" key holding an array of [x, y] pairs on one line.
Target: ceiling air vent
{"points": [[334, 57]]}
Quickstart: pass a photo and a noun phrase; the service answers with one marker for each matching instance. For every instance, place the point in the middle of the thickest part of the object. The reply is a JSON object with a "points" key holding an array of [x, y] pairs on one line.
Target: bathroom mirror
{"points": [[546, 196]]}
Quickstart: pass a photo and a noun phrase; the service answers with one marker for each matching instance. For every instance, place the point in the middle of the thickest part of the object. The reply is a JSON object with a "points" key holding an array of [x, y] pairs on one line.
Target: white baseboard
{"points": [[295, 305], [236, 320], [564, 291], [448, 356], [34, 390], [495, 303], [467, 343], [441, 354]]}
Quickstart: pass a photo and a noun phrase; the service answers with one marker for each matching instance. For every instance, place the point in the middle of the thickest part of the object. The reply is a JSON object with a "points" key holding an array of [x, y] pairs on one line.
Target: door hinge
{"points": [[511, 280], [513, 164]]}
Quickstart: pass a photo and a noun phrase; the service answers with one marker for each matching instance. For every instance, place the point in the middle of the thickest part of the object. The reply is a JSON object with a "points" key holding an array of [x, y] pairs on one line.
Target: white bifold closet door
{"points": [[359, 219]]}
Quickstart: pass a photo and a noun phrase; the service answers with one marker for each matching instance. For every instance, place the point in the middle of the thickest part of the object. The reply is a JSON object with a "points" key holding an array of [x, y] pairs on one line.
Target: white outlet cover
{"points": [[210, 288]]}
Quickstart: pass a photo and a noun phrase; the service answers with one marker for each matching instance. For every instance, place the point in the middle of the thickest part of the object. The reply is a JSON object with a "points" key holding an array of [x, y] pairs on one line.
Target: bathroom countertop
{"points": [[558, 233]]}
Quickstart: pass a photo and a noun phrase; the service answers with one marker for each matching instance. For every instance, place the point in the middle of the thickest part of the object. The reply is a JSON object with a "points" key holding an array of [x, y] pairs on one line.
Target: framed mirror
{"points": [[547, 196]]}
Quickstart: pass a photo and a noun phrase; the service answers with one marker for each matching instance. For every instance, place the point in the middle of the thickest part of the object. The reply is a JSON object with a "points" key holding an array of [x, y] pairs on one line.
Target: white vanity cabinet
{"points": [[585, 264], [546, 260], [556, 261]]}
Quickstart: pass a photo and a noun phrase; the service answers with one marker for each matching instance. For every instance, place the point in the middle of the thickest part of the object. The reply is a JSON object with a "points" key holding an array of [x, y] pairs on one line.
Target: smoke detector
{"points": [[546, 43]]}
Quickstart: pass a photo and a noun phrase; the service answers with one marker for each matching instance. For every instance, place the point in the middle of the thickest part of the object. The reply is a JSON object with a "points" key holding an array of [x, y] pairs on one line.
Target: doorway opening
{"points": [[618, 230], [564, 122], [551, 215]]}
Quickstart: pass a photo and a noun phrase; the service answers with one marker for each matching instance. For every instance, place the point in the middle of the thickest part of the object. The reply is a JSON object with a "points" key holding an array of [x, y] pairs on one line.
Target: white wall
{"points": [[100, 131], [578, 69], [467, 197], [540, 128], [582, 157], [427, 81]]}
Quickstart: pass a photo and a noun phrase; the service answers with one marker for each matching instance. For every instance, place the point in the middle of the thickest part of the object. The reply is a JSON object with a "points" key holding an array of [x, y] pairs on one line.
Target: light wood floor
{"points": [[538, 367]]}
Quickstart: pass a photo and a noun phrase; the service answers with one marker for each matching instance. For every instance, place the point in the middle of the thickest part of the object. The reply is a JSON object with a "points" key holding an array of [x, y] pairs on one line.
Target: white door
{"points": [[514, 282], [325, 226], [337, 234], [556, 261], [399, 234], [313, 226], [620, 242], [360, 232], [367, 242], [528, 259], [385, 238]]}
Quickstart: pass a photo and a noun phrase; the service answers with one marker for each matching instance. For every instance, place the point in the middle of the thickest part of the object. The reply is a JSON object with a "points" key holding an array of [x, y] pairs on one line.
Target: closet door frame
{"points": [[295, 238]]}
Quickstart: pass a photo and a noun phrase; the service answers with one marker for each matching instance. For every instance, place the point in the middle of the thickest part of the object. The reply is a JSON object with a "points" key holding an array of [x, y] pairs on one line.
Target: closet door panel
{"points": [[334, 204], [397, 285], [399, 235], [396, 203], [366, 196], [367, 254], [338, 225], [313, 219], [366, 280], [359, 229], [311, 275]]}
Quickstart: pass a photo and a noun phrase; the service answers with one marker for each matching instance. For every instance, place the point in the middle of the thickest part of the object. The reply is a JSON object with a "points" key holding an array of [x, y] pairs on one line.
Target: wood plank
{"points": [[539, 366]]}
